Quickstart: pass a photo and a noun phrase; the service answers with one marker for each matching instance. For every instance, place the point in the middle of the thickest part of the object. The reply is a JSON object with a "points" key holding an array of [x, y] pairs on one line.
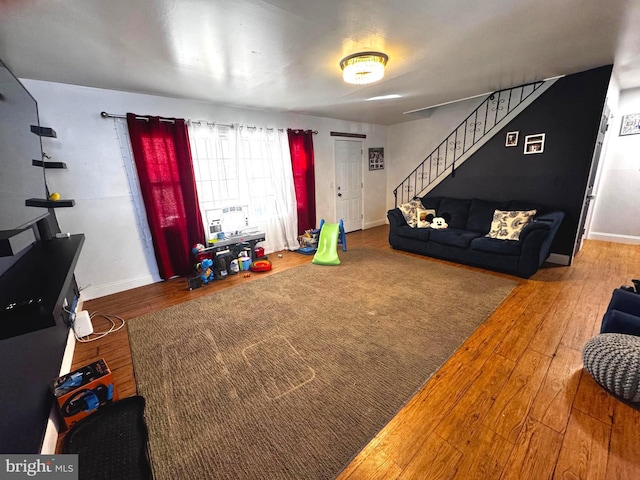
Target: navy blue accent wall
{"points": [[569, 115]]}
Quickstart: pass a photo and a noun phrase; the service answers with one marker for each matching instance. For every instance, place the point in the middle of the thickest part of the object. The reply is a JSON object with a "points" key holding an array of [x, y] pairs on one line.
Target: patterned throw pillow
{"points": [[507, 225], [421, 217], [409, 211]]}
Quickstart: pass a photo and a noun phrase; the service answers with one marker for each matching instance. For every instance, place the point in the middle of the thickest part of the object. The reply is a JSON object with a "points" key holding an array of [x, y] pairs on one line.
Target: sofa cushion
{"points": [[431, 202], [481, 214], [457, 208], [414, 233], [507, 224], [453, 236], [409, 211], [493, 245]]}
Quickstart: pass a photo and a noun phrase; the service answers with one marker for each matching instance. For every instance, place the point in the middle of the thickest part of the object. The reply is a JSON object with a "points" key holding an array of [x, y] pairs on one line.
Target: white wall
{"points": [[615, 215], [409, 143], [115, 257]]}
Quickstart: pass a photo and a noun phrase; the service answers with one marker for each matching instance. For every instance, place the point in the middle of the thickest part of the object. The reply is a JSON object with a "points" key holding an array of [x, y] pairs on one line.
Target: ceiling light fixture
{"points": [[362, 68]]}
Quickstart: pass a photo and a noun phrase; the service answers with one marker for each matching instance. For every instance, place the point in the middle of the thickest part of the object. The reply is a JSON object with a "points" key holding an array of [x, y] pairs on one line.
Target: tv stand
{"points": [[33, 338]]}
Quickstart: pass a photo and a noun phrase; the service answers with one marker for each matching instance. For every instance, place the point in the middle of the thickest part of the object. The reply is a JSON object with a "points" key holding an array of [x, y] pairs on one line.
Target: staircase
{"points": [[496, 111]]}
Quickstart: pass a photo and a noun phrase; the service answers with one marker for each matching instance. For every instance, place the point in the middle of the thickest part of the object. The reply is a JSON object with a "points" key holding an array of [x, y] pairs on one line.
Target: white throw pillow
{"points": [[421, 217], [507, 225], [409, 211]]}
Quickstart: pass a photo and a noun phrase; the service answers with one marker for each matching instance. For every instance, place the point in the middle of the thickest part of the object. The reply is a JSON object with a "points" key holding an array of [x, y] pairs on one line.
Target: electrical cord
{"points": [[71, 312], [98, 335]]}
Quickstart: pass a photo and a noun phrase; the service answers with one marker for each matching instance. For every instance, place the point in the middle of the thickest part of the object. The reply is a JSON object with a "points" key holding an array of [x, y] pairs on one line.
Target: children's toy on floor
{"points": [[308, 242], [261, 266], [82, 392], [200, 255], [206, 273], [308, 250], [330, 235], [198, 252]]}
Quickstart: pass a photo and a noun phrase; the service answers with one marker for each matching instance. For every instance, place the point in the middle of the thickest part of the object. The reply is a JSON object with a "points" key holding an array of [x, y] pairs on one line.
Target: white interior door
{"points": [[348, 158], [590, 195]]}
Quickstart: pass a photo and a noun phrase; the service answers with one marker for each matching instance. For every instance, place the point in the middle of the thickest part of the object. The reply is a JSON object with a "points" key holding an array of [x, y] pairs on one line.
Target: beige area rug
{"points": [[289, 376]]}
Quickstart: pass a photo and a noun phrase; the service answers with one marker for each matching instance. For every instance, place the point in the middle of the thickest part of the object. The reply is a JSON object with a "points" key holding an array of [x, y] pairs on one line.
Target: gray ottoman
{"points": [[613, 360]]}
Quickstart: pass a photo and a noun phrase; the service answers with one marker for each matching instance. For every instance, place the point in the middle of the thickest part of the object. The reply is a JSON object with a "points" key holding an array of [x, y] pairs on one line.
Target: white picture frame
{"points": [[534, 143], [511, 139], [630, 124]]}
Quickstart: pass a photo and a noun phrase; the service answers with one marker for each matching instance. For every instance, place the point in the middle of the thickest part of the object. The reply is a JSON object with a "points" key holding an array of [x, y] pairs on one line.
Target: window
{"points": [[239, 166]]}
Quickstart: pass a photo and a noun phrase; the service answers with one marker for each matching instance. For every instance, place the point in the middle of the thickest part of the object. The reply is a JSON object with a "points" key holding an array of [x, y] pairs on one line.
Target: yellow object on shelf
{"points": [[55, 196]]}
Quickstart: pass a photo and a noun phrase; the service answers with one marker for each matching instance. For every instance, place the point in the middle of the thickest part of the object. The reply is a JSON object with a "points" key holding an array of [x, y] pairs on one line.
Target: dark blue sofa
{"points": [[623, 313], [464, 241]]}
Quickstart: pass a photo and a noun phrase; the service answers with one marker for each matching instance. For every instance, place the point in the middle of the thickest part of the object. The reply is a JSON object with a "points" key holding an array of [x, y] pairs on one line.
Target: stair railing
{"points": [[471, 130]]}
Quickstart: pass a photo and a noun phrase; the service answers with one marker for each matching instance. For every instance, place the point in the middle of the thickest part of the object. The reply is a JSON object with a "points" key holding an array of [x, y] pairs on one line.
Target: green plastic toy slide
{"points": [[327, 253]]}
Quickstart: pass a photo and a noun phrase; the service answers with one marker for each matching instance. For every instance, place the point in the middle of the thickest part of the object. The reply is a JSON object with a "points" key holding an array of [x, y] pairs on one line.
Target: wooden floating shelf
{"points": [[41, 163], [41, 202]]}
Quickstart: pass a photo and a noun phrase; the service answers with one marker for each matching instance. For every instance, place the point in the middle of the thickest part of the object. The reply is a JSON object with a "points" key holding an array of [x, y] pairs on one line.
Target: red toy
{"points": [[261, 266]]}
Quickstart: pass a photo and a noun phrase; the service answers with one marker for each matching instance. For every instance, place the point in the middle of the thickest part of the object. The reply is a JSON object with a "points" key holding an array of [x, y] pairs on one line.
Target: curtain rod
{"points": [[162, 119], [113, 115]]}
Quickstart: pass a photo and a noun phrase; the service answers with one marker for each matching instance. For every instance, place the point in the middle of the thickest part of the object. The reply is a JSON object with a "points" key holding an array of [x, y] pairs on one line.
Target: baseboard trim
{"points": [[559, 259], [98, 291], [376, 223], [615, 238]]}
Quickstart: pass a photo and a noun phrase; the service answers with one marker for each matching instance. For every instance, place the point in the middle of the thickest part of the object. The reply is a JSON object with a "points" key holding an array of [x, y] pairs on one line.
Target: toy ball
{"points": [[55, 196], [198, 247]]}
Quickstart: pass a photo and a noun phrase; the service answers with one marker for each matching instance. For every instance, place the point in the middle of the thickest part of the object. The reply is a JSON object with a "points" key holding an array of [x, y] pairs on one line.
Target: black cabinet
{"points": [[34, 338]]}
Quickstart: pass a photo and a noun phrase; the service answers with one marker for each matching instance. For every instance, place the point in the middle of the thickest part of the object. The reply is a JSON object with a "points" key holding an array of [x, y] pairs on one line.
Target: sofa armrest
{"points": [[624, 301], [396, 219], [551, 217], [615, 321], [623, 313], [536, 238], [532, 227]]}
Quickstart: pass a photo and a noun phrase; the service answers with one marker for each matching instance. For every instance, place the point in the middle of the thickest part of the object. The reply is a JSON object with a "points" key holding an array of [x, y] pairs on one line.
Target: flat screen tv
{"points": [[19, 178]]}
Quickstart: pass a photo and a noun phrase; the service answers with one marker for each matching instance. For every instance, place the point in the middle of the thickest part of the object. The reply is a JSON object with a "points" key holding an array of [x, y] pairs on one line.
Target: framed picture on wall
{"points": [[534, 143], [630, 124], [376, 158], [512, 139]]}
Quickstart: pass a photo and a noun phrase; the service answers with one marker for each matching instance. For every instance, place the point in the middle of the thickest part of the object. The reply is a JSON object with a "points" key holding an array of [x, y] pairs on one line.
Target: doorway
{"points": [[591, 183], [348, 161]]}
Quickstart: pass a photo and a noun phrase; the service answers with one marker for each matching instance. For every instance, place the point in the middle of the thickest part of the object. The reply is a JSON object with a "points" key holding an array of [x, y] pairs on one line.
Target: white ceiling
{"points": [[284, 54]]}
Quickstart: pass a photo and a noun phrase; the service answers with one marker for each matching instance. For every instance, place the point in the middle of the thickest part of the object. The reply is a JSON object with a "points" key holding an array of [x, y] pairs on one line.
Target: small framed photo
{"points": [[512, 139], [534, 143], [376, 158], [630, 124]]}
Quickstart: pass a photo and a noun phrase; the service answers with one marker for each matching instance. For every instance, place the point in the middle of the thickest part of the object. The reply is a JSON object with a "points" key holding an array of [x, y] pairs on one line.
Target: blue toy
{"points": [[204, 268]]}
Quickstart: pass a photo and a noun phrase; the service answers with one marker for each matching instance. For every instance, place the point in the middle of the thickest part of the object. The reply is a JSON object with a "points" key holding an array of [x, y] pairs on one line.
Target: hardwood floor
{"points": [[512, 403]]}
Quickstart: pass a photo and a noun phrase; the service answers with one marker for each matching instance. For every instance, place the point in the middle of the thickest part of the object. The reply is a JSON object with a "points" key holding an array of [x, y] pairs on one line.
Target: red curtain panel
{"points": [[163, 161], [301, 147]]}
